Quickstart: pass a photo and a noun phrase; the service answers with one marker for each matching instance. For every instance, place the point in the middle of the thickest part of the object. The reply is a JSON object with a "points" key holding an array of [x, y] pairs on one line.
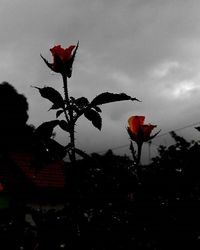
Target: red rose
{"points": [[62, 59], [138, 131]]}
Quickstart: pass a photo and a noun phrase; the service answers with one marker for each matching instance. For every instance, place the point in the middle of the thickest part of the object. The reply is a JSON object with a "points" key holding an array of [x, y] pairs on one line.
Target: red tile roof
{"points": [[1, 187], [50, 175]]}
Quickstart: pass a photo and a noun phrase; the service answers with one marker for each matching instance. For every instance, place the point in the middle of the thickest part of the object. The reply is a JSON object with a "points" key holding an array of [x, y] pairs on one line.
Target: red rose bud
{"points": [[138, 131], [62, 59]]}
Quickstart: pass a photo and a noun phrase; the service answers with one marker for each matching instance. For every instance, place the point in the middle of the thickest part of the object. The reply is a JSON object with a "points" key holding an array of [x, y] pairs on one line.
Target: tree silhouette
{"points": [[14, 132]]}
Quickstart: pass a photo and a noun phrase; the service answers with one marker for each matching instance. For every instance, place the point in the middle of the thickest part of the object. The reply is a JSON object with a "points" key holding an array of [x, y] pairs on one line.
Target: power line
{"points": [[188, 126], [159, 135]]}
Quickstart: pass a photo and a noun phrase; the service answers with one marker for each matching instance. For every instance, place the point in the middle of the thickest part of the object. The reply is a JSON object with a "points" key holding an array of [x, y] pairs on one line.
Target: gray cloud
{"points": [[148, 49]]}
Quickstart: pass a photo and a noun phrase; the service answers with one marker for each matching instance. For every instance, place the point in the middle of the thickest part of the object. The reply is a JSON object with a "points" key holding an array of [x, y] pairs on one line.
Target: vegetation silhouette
{"points": [[16, 136], [155, 208], [14, 132]]}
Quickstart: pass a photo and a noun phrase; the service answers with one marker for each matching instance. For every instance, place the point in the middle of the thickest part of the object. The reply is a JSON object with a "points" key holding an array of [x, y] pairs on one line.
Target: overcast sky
{"points": [[149, 49]]}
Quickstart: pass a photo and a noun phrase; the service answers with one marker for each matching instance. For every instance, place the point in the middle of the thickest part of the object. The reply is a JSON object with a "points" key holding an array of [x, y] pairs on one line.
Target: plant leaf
{"points": [[108, 97], [45, 130], [81, 102], [58, 113], [53, 96], [64, 125], [97, 109], [94, 117]]}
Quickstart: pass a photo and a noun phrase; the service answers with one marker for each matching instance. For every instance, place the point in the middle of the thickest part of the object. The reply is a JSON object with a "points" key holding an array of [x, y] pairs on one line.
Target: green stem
{"points": [[70, 119]]}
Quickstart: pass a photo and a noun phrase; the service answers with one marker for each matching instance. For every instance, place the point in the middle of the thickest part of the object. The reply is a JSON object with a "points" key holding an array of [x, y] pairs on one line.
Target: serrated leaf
{"points": [[45, 130], [64, 125], [108, 97], [53, 96], [97, 109], [94, 117], [81, 102], [58, 113]]}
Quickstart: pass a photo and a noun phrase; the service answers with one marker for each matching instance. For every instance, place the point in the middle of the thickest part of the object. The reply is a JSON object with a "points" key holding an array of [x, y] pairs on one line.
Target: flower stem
{"points": [[138, 158], [70, 119], [139, 154]]}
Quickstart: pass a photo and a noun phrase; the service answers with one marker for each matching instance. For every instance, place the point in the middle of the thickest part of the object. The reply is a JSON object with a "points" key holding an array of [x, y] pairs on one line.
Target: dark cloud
{"points": [[148, 49]]}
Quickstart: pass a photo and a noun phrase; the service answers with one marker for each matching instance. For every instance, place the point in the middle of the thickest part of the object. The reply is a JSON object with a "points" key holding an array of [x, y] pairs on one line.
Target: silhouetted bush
{"points": [[108, 205], [14, 132]]}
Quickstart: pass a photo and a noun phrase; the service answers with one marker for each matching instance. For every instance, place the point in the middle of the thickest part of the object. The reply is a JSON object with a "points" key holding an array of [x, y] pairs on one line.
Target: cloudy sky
{"points": [[149, 49]]}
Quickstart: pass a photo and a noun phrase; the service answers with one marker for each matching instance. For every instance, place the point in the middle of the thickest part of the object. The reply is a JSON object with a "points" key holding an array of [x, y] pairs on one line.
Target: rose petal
{"points": [[135, 122], [146, 129]]}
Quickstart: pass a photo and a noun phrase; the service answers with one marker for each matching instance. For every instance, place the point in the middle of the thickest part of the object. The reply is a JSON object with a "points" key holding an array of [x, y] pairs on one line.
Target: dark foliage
{"points": [[53, 96], [94, 117], [108, 97], [171, 191], [14, 133], [107, 205], [115, 209]]}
